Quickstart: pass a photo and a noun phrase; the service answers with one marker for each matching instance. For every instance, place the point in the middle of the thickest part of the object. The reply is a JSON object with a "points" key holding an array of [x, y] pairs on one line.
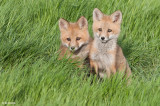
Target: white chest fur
{"points": [[102, 57]]}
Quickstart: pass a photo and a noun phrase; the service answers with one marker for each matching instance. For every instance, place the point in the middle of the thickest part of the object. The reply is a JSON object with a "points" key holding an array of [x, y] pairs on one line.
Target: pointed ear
{"points": [[97, 14], [63, 24], [117, 17], [82, 22]]}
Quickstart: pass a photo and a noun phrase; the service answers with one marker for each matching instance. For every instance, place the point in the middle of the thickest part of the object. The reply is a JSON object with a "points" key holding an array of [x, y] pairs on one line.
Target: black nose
{"points": [[102, 38], [72, 47]]}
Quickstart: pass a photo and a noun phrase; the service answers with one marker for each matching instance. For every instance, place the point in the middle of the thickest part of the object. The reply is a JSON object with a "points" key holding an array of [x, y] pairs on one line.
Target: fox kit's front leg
{"points": [[108, 72], [94, 66], [113, 68], [91, 67]]}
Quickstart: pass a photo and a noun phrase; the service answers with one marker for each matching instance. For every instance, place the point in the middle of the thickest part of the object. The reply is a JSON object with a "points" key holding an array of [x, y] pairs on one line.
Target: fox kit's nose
{"points": [[72, 47], [102, 38]]}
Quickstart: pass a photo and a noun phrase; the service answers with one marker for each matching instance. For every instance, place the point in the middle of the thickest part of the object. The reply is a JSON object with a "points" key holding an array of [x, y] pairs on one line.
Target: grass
{"points": [[31, 74]]}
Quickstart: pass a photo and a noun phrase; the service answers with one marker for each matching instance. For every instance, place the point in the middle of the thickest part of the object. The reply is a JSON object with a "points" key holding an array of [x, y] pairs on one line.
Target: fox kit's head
{"points": [[106, 27], [74, 35]]}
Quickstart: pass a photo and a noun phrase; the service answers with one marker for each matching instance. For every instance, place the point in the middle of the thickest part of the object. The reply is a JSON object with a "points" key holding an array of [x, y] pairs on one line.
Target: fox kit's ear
{"points": [[97, 15], [63, 24], [117, 17], [82, 23]]}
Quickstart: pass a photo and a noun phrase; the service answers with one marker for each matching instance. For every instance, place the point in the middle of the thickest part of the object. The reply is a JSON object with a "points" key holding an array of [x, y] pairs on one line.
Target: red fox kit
{"points": [[106, 55], [75, 39]]}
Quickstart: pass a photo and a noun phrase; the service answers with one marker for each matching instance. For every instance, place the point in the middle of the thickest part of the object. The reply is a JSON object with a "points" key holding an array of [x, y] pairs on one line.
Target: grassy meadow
{"points": [[31, 74]]}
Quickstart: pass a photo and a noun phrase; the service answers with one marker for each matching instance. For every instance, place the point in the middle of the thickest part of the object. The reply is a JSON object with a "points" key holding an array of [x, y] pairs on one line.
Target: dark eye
{"points": [[99, 29], [69, 39], [78, 38], [109, 30]]}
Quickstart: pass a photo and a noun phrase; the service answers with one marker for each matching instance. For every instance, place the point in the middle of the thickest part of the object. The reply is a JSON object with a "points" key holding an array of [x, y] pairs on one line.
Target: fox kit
{"points": [[106, 55], [75, 39]]}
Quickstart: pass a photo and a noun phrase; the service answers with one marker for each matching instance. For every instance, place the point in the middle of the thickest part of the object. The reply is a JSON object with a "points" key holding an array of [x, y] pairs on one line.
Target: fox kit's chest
{"points": [[103, 55]]}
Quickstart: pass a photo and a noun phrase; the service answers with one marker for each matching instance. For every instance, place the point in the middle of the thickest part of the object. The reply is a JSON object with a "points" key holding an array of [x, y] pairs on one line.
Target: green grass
{"points": [[31, 74]]}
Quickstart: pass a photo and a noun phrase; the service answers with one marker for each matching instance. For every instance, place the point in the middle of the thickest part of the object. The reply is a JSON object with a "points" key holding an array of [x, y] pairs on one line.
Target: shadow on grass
{"points": [[126, 46]]}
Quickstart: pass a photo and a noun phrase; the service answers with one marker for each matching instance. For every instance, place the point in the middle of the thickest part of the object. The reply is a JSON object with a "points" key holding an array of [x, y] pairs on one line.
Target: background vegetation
{"points": [[30, 73]]}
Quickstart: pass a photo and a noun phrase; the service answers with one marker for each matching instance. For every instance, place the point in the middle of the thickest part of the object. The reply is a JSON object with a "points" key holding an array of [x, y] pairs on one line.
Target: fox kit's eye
{"points": [[99, 29], [69, 39], [109, 30], [78, 38]]}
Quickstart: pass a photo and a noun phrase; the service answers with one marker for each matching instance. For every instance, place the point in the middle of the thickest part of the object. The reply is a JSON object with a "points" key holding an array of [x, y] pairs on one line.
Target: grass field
{"points": [[31, 74]]}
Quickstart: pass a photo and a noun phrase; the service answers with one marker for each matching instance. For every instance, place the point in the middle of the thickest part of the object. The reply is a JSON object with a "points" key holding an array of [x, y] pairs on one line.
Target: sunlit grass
{"points": [[31, 74]]}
